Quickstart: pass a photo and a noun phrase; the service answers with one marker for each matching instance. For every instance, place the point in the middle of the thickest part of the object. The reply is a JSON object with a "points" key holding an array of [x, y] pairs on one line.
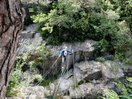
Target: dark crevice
{"points": [[6, 57], [8, 9], [19, 14], [7, 71], [2, 17]]}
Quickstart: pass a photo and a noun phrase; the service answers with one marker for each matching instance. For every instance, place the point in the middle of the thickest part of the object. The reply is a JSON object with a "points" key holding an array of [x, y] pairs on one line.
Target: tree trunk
{"points": [[11, 19]]}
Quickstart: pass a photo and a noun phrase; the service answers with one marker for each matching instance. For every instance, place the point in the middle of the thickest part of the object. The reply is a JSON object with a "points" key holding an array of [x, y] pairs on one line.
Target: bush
{"points": [[110, 94], [12, 89], [126, 89], [116, 39], [26, 62], [125, 10], [68, 22], [65, 22]]}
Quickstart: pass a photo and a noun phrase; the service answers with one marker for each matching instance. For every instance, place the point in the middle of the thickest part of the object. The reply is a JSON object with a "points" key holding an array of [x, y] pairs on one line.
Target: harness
{"points": [[65, 53]]}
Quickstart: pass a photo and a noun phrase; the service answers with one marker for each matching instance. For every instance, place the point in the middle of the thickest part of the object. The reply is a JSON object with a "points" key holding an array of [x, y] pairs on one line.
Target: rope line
{"points": [[51, 66], [58, 83]]}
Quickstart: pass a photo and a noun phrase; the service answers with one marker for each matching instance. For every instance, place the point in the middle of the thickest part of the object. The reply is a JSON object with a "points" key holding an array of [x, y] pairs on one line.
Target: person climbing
{"points": [[64, 53]]}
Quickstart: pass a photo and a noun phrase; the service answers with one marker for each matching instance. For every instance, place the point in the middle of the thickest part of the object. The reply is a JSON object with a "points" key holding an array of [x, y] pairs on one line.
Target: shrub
{"points": [[65, 22], [118, 38], [124, 8], [68, 21], [110, 94], [15, 80], [25, 62], [126, 89]]}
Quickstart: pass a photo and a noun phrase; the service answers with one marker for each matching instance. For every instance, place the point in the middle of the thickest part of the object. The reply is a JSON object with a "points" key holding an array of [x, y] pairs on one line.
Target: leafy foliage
{"points": [[110, 94], [123, 90], [65, 22], [12, 89], [25, 63], [68, 21], [126, 89]]}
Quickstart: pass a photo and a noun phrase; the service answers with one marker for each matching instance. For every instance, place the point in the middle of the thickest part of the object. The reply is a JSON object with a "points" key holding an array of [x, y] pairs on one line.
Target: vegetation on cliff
{"points": [[108, 22]]}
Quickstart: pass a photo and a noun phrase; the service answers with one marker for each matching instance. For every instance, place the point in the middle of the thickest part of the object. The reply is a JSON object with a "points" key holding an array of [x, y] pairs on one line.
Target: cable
{"points": [[51, 66]]}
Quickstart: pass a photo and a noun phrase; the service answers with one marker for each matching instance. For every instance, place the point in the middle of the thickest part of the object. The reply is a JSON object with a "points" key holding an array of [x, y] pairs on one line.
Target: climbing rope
{"points": [[74, 79], [52, 66], [64, 53], [57, 86], [64, 70]]}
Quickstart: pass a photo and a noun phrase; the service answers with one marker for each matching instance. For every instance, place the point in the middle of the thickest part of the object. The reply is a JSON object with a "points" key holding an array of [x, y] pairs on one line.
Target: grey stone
{"points": [[29, 44], [62, 84], [66, 97], [27, 34], [127, 69], [112, 70], [29, 31], [87, 70], [87, 91], [37, 92]]}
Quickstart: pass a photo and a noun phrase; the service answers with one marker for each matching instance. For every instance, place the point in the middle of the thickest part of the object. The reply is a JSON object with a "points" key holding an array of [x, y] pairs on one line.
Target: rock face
{"points": [[83, 78], [66, 81], [63, 84], [30, 40], [81, 51], [86, 46], [127, 70], [86, 91], [29, 44], [112, 70], [90, 70], [37, 92], [29, 31], [87, 70]]}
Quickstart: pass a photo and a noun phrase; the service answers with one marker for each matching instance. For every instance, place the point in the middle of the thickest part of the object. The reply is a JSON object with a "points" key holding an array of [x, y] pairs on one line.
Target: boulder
{"points": [[86, 91], [90, 70], [127, 69], [66, 81], [63, 84], [87, 70], [29, 31], [66, 97], [86, 46], [29, 44], [112, 70], [37, 92]]}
